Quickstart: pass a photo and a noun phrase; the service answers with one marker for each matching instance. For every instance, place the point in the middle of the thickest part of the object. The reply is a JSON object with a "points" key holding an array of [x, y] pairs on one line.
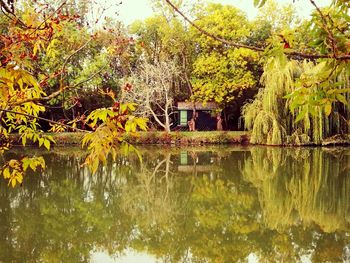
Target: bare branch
{"points": [[49, 17], [6, 8], [72, 54]]}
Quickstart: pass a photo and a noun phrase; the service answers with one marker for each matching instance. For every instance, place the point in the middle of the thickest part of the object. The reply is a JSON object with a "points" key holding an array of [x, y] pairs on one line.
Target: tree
{"points": [[33, 73], [20, 91], [220, 72], [310, 89], [161, 38], [152, 88]]}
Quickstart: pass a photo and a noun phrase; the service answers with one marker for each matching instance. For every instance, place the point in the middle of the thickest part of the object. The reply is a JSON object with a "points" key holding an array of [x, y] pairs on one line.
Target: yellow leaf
{"points": [[328, 109], [47, 144], [7, 173], [35, 50], [13, 182]]}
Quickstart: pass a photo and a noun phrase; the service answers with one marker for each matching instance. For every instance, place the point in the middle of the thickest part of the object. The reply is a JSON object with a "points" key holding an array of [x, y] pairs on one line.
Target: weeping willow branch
{"points": [[43, 119], [239, 45]]}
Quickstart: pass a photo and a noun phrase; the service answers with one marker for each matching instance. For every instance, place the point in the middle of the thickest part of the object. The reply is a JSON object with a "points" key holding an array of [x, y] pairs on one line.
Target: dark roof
{"points": [[197, 105]]}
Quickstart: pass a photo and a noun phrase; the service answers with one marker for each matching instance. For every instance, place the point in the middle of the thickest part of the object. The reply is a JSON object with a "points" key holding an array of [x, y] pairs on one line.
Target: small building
{"points": [[205, 118]]}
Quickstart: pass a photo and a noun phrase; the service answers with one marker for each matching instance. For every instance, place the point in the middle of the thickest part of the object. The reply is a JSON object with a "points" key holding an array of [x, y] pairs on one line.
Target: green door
{"points": [[183, 117]]}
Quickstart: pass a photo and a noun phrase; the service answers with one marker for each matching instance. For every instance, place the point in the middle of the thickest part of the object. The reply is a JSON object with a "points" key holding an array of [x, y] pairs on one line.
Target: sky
{"points": [[131, 10]]}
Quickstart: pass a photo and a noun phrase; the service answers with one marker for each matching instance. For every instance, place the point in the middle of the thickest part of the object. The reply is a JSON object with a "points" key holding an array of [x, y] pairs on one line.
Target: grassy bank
{"points": [[191, 138], [172, 138], [182, 138]]}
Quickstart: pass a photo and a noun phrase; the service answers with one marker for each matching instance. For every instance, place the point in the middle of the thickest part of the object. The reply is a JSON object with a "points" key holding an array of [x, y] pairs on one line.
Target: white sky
{"points": [[131, 10]]}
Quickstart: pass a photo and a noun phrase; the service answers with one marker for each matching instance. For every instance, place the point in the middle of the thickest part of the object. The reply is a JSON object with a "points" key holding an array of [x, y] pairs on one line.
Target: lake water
{"points": [[210, 204]]}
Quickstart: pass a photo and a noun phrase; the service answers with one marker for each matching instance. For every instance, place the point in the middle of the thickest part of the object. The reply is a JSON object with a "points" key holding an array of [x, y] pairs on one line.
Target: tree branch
{"points": [[330, 34], [56, 93], [71, 55], [224, 41], [50, 16], [7, 9], [238, 45], [43, 119]]}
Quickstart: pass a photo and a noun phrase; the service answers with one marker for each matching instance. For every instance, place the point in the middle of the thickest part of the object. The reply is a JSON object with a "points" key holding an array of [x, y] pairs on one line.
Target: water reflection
{"points": [[183, 205]]}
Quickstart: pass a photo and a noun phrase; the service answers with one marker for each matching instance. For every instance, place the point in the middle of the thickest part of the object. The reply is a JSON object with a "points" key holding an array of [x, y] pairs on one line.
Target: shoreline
{"points": [[184, 138]]}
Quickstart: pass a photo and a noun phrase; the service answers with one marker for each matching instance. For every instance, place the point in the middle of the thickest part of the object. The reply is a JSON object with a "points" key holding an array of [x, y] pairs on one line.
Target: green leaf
{"points": [[343, 90], [341, 98], [25, 163], [317, 42], [128, 126], [301, 114], [41, 141], [13, 182], [132, 106], [24, 140], [32, 165]]}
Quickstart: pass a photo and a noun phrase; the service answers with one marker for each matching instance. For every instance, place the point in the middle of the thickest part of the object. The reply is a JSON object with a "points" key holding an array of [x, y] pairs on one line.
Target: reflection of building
{"points": [[191, 161], [205, 117]]}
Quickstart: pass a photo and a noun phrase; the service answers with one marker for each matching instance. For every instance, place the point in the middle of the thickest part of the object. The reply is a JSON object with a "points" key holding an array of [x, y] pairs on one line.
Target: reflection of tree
{"points": [[66, 220], [311, 184], [303, 187], [279, 209], [158, 204], [225, 217]]}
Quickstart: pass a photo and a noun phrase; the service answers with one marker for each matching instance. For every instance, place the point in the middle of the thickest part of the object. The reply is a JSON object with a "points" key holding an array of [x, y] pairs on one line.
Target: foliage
{"points": [[47, 53], [54, 62], [220, 72], [295, 107], [288, 111], [19, 89], [304, 101], [110, 125], [162, 38], [14, 170]]}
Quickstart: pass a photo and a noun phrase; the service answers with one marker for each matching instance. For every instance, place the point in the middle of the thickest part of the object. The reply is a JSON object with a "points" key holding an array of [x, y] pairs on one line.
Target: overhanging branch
{"points": [[56, 93], [239, 45], [43, 119]]}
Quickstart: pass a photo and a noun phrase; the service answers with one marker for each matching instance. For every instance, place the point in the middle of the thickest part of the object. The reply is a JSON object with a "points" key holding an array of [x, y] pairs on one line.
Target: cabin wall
{"points": [[204, 121]]}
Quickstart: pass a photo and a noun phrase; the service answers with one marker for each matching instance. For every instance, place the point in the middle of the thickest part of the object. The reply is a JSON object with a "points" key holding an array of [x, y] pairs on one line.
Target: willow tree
{"points": [[301, 103], [305, 100]]}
